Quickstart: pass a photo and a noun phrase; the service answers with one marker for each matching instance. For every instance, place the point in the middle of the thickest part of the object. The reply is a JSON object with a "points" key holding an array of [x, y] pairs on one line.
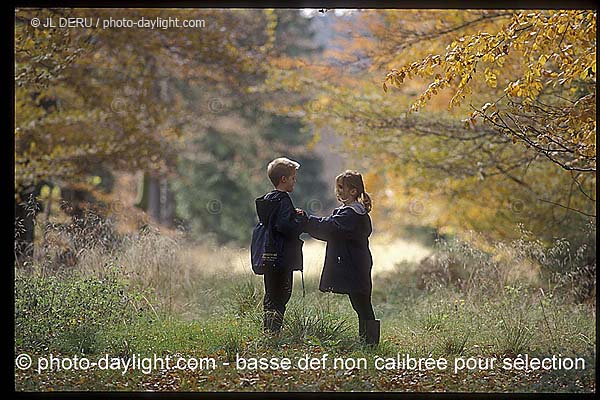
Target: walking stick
{"points": [[303, 293], [303, 308]]}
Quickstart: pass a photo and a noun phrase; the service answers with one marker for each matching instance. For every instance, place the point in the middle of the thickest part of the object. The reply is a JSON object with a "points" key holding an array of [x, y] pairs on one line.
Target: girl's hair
{"points": [[353, 180]]}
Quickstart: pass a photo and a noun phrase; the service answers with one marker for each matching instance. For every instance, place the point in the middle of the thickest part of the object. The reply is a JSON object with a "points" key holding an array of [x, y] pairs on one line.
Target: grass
{"points": [[156, 295]]}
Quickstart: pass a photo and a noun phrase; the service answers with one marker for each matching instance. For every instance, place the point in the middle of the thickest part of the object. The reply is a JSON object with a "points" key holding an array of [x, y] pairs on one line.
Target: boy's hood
{"points": [[357, 207], [266, 205], [275, 195]]}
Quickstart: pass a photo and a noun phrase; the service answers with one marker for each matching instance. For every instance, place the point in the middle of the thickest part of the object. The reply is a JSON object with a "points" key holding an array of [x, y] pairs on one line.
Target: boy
{"points": [[282, 226]]}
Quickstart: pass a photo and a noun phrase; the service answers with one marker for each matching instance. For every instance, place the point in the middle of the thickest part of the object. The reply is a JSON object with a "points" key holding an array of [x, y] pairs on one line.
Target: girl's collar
{"points": [[356, 206]]}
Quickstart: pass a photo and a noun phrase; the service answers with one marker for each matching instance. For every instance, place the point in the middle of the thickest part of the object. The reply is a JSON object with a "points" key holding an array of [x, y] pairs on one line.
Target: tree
{"points": [[466, 173], [115, 100], [546, 65], [91, 98], [539, 69], [223, 168]]}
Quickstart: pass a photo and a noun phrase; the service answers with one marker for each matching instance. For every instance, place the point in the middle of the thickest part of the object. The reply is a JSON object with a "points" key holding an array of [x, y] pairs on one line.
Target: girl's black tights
{"points": [[361, 302]]}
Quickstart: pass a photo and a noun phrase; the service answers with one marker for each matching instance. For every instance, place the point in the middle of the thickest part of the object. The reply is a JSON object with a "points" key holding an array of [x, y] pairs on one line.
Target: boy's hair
{"points": [[353, 180], [279, 168]]}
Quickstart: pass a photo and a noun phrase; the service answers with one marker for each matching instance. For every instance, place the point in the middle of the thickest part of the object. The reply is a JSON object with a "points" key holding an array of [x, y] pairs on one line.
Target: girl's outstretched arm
{"points": [[339, 225]]}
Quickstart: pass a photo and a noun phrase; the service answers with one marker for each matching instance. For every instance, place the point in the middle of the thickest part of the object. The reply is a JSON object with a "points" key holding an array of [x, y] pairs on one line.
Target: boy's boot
{"points": [[373, 329], [269, 322], [272, 322], [277, 322]]}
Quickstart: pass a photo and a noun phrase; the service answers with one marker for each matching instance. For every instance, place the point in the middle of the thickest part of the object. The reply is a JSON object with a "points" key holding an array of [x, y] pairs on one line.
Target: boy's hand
{"points": [[300, 211]]}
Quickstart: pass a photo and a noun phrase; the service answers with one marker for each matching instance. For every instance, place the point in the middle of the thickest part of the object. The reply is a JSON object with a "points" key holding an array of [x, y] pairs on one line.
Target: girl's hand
{"points": [[299, 211]]}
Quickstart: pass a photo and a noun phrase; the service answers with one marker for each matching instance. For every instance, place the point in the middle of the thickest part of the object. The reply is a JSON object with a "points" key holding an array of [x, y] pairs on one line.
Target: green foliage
{"points": [[247, 299], [117, 97], [232, 344], [566, 268], [223, 167], [476, 297], [217, 194], [71, 313], [315, 326], [514, 331], [446, 322]]}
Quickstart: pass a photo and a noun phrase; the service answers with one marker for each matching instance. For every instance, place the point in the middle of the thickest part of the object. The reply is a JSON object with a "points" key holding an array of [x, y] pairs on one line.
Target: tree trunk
{"points": [[149, 196], [167, 203], [26, 208]]}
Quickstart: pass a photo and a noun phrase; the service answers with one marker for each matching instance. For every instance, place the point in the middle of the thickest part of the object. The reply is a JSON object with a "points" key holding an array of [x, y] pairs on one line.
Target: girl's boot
{"points": [[373, 328], [369, 331]]}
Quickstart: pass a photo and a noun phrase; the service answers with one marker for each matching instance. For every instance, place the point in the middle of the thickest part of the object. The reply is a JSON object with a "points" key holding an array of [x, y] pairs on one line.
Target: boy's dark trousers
{"points": [[278, 290]]}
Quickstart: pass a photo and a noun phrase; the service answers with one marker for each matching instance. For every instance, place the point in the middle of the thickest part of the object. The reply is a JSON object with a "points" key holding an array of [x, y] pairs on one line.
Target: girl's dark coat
{"points": [[348, 260]]}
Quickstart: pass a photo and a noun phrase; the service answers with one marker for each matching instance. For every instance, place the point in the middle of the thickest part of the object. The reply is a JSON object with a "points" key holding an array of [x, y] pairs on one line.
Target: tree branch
{"points": [[568, 208]]}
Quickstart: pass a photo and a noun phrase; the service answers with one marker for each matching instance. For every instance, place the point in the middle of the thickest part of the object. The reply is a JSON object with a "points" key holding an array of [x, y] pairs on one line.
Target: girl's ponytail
{"points": [[365, 200]]}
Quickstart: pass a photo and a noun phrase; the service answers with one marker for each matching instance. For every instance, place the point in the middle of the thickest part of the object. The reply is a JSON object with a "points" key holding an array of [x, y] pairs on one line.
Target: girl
{"points": [[348, 259]]}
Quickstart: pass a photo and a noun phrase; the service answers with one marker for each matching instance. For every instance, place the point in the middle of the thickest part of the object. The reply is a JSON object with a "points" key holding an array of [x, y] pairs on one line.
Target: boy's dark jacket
{"points": [[348, 260], [276, 211]]}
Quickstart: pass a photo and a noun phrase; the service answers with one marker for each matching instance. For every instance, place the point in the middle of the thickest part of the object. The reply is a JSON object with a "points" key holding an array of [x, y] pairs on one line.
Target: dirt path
{"points": [[386, 254]]}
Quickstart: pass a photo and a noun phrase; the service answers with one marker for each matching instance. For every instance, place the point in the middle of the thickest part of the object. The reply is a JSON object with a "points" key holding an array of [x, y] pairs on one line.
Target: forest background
{"points": [[139, 153]]}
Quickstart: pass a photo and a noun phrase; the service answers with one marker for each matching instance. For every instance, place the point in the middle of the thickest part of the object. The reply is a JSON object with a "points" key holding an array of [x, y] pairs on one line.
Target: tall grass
{"points": [[476, 267], [148, 291]]}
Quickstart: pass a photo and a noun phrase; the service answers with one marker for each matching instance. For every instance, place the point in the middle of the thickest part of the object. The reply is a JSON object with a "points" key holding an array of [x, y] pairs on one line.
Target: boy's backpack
{"points": [[266, 251]]}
